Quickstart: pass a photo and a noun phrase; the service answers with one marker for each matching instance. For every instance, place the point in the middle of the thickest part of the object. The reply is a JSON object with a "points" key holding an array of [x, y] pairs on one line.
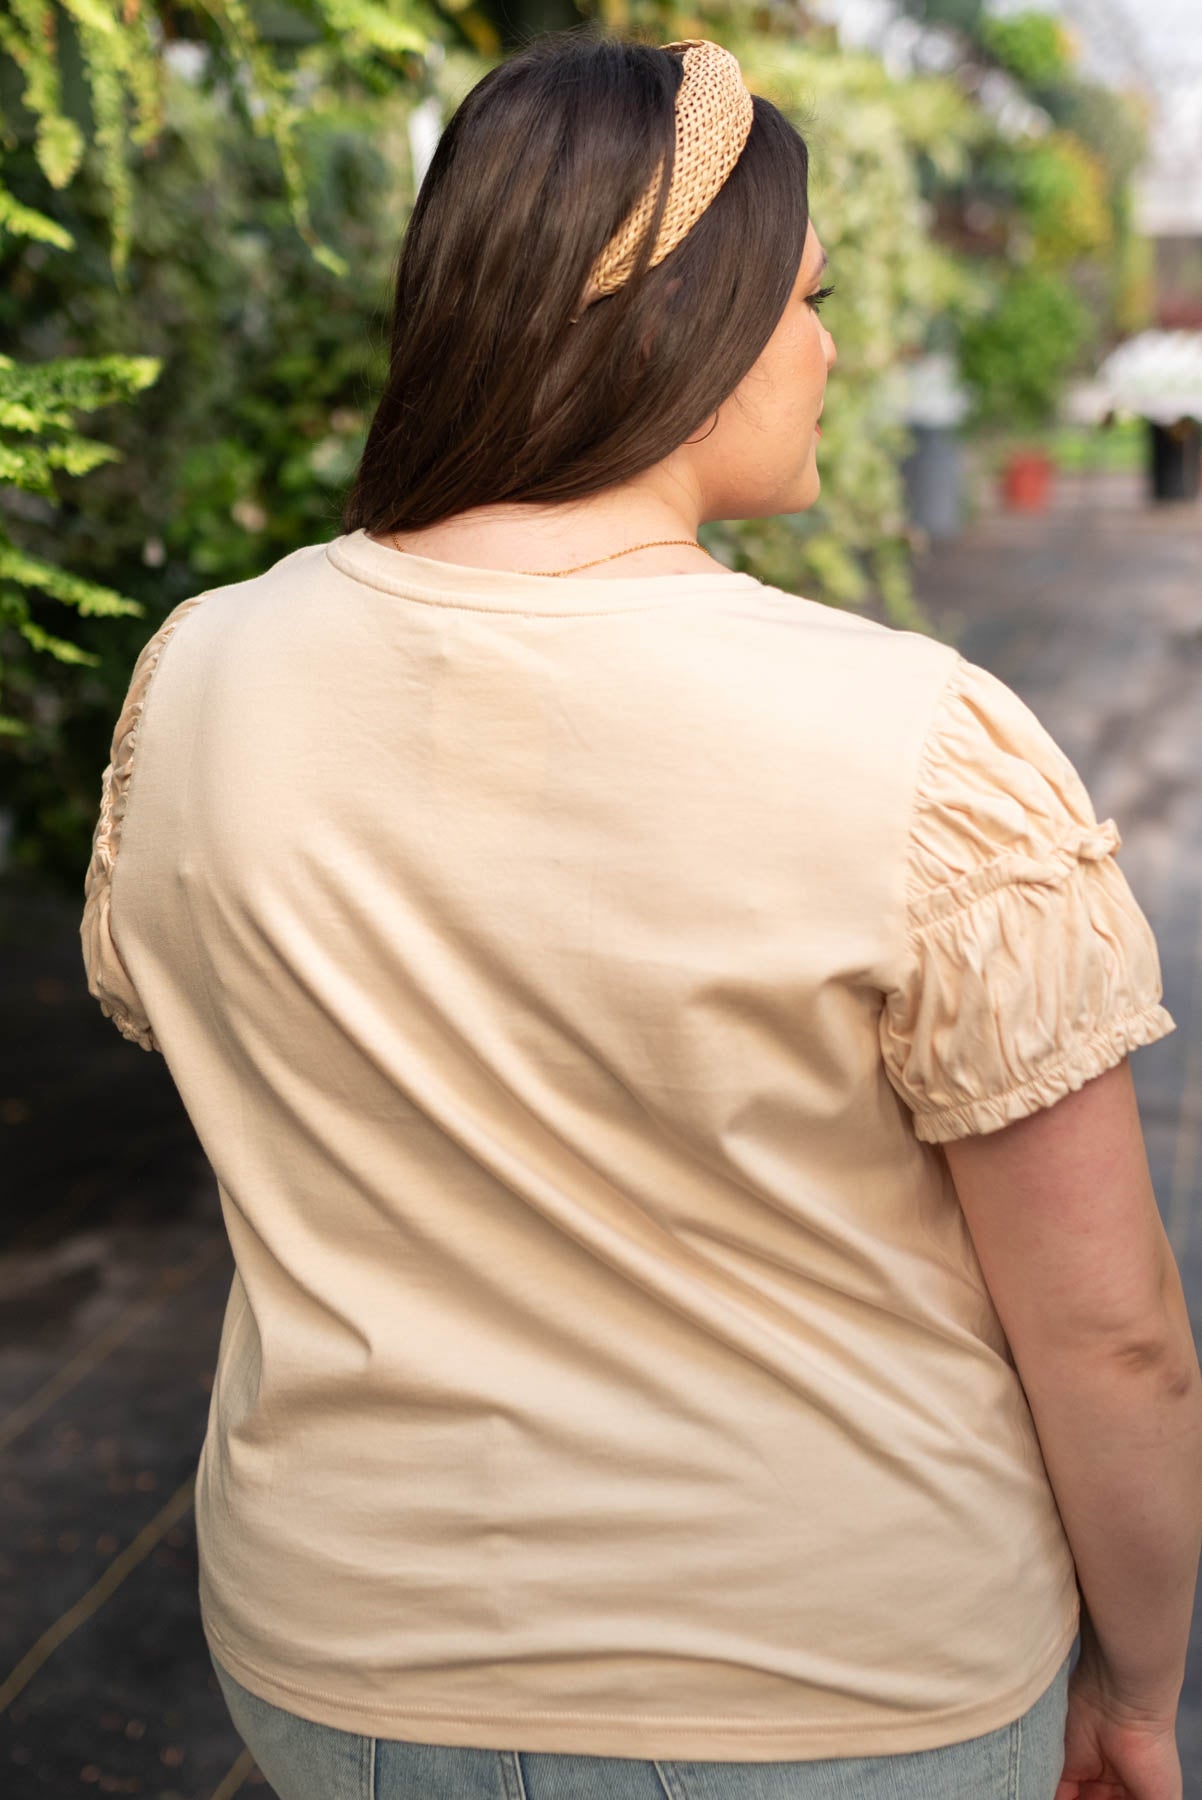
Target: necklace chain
{"points": [[650, 544]]}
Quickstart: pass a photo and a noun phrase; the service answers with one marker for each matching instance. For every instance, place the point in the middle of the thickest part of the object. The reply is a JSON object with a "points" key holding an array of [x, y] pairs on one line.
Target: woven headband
{"points": [[713, 119]]}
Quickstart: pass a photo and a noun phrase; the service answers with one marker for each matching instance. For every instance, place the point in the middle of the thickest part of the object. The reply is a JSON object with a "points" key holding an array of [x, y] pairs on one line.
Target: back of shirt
{"points": [[570, 982]]}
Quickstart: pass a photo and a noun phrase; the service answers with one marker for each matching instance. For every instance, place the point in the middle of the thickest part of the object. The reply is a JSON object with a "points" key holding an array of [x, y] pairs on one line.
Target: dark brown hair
{"points": [[492, 395]]}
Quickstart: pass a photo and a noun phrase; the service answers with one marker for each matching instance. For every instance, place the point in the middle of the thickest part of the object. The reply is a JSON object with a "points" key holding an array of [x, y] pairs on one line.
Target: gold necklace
{"points": [[650, 544]]}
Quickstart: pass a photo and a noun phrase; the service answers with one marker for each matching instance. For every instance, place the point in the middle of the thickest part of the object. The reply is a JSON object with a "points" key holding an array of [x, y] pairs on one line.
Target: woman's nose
{"points": [[832, 354]]}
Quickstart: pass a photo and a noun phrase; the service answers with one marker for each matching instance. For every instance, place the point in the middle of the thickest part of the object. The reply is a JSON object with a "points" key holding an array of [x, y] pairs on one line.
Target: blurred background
{"points": [[200, 209]]}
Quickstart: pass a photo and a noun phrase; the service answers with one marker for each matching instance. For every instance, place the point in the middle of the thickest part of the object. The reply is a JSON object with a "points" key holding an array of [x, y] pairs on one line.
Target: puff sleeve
{"points": [[108, 980], [1029, 966]]}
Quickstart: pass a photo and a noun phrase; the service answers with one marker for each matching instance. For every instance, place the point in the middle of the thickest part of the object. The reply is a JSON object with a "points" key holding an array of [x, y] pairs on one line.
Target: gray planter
{"points": [[933, 476]]}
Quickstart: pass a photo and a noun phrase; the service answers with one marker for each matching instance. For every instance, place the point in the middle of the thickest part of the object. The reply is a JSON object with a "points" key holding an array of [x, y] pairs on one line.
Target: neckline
{"points": [[428, 578]]}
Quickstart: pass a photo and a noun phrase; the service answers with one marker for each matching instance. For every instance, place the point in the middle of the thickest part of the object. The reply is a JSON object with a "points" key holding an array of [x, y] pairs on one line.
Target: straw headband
{"points": [[713, 120]]}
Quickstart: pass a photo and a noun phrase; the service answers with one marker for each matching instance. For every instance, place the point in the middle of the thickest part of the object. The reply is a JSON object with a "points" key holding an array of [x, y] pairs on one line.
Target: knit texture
{"points": [[713, 119]]}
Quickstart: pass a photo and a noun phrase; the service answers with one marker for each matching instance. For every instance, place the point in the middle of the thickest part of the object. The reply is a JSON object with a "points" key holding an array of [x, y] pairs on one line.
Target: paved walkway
{"points": [[113, 1281]]}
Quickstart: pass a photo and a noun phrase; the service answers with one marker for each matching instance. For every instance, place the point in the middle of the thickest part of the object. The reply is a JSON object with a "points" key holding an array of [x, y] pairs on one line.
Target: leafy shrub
{"points": [[1031, 46], [1016, 357], [1061, 190]]}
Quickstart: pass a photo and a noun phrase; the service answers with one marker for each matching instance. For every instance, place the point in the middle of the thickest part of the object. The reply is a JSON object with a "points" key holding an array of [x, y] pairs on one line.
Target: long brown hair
{"points": [[492, 395]]}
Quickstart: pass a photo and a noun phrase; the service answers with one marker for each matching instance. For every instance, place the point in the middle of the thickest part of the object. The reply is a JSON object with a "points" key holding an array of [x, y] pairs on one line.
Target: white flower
{"points": [[1157, 374]]}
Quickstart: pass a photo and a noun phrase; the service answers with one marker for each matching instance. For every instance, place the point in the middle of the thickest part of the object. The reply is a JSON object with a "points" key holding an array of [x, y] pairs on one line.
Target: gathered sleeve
{"points": [[108, 979], [1029, 966]]}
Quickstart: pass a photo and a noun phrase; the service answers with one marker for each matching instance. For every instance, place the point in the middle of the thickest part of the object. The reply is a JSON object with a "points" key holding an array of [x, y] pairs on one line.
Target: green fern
{"points": [[121, 46], [37, 402]]}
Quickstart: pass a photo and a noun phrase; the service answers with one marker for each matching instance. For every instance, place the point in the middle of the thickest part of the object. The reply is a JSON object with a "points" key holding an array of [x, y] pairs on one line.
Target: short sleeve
{"points": [[108, 979], [1029, 967]]}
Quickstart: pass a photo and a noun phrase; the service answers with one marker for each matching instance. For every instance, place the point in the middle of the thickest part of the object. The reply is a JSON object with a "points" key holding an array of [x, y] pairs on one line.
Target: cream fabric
{"points": [[1031, 967], [571, 983]]}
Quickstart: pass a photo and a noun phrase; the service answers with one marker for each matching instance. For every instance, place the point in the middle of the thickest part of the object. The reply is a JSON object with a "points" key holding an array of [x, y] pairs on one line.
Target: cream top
{"points": [[571, 982]]}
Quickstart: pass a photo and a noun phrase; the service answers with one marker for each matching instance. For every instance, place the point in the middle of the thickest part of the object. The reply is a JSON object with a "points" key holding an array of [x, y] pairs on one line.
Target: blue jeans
{"points": [[304, 1761]]}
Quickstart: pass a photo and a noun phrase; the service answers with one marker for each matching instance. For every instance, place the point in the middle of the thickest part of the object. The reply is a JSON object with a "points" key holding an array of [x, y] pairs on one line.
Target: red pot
{"points": [[1027, 481]]}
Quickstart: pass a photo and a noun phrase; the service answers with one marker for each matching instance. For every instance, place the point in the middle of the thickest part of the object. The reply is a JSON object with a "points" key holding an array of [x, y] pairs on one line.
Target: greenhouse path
{"points": [[115, 1268]]}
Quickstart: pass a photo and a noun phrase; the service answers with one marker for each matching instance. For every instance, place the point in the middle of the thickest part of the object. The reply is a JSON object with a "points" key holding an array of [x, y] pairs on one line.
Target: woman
{"points": [[581, 964]]}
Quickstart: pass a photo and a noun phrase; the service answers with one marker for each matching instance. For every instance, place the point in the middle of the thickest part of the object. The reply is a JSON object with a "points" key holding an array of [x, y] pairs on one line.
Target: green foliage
{"points": [[1016, 357], [1118, 448], [1114, 128], [36, 437], [121, 57], [1061, 190], [118, 57], [1031, 46], [1113, 124], [1043, 218], [1132, 271]]}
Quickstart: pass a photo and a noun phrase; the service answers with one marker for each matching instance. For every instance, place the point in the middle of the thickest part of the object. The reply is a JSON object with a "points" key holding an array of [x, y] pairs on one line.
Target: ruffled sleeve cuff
{"points": [[1030, 967], [108, 979]]}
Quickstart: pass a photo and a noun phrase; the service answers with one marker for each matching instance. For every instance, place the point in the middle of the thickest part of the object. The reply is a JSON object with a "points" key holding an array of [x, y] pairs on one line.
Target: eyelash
{"points": [[816, 299]]}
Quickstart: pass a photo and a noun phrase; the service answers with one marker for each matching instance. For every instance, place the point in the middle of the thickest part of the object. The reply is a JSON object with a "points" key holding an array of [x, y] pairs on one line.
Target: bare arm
{"points": [[1064, 1219]]}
